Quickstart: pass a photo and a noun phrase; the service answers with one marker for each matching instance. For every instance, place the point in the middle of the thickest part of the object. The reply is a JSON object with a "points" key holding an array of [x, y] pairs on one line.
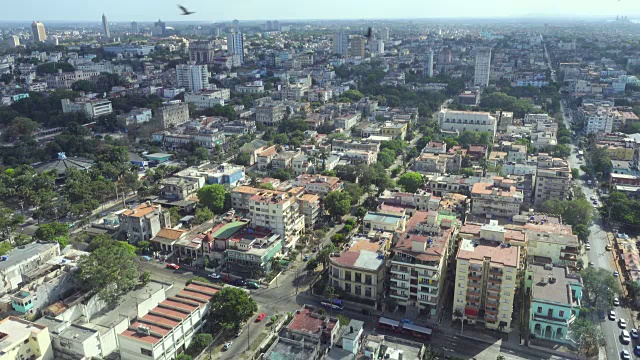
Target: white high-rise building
{"points": [[483, 67], [193, 77], [429, 72], [377, 46], [340, 42], [37, 29], [235, 45], [105, 26]]}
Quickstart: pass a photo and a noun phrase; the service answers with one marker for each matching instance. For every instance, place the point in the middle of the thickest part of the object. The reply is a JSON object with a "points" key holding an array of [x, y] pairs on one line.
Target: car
{"points": [[253, 285], [587, 247], [616, 302], [239, 282], [622, 323], [215, 276], [260, 317], [612, 315], [634, 334], [315, 249], [173, 266], [227, 345], [616, 274], [595, 202], [592, 197], [636, 350], [239, 332], [591, 264], [608, 247], [307, 257], [624, 355], [624, 337]]}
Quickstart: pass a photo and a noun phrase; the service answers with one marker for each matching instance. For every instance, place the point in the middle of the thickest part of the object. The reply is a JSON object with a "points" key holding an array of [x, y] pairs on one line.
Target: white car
{"points": [[616, 302], [214, 276], [612, 315], [622, 323], [227, 345], [587, 247], [624, 337], [624, 355]]}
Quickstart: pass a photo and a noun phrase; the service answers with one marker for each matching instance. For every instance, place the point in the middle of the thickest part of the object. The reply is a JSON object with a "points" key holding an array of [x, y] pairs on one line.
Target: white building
{"points": [[235, 45], [193, 77], [340, 42], [429, 70], [482, 67], [207, 99], [279, 212], [93, 108], [455, 120]]}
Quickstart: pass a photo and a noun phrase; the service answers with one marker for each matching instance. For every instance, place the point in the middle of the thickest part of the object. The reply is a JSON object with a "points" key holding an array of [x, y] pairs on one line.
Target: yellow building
{"points": [[22, 339], [394, 130], [621, 153], [486, 280]]}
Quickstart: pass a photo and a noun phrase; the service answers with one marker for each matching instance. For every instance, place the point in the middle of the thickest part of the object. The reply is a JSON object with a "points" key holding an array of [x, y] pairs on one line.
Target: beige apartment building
{"points": [[486, 281], [359, 274], [278, 212], [553, 179], [497, 199]]}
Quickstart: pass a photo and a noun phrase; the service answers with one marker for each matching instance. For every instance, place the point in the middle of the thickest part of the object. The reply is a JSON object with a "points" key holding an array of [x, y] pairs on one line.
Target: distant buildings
{"points": [[553, 179], [497, 199], [202, 51], [105, 26], [460, 121], [482, 67], [134, 28], [429, 69], [12, 41], [92, 108], [172, 113], [235, 45], [208, 98], [37, 29], [143, 222], [357, 44], [340, 42], [193, 77]]}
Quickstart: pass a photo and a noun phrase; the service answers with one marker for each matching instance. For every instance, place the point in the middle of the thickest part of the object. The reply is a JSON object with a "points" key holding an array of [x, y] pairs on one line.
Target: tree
{"points": [[203, 214], [9, 221], [282, 174], [575, 173], [386, 157], [633, 287], [48, 232], [355, 191], [184, 357], [561, 151], [410, 181], [337, 203], [600, 286], [573, 212], [337, 239], [214, 197], [231, 306], [467, 172], [243, 158], [84, 85], [361, 211], [111, 270], [311, 265], [18, 127], [587, 335], [325, 254], [581, 231], [200, 342]]}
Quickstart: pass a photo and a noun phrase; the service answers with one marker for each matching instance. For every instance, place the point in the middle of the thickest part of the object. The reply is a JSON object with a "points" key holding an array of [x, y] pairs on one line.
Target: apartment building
{"points": [[382, 221], [486, 281], [342, 145], [482, 67], [279, 212], [22, 260], [497, 199], [419, 266], [240, 197], [553, 179], [556, 298], [318, 184], [410, 202], [63, 80], [142, 222], [172, 113], [270, 114], [394, 130], [208, 98], [92, 108], [310, 208], [178, 188], [193, 77], [167, 329], [553, 243], [313, 326], [22, 339], [460, 121], [346, 122], [360, 275], [252, 250], [360, 157], [202, 51]]}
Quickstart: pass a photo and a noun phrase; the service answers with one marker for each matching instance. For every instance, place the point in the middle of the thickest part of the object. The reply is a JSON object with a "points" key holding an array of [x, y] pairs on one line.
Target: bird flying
{"points": [[369, 33], [185, 11]]}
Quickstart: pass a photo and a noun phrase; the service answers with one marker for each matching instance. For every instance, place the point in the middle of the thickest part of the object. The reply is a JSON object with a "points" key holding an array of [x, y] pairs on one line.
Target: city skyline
{"points": [[146, 10]]}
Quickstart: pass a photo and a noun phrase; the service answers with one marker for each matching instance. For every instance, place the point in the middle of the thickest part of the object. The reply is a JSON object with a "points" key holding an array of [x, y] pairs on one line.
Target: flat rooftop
{"points": [[556, 292], [14, 330], [496, 252], [228, 230], [22, 253], [364, 259]]}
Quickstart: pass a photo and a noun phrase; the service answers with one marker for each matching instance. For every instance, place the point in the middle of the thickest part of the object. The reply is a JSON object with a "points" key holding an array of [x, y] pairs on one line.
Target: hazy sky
{"points": [[220, 10]]}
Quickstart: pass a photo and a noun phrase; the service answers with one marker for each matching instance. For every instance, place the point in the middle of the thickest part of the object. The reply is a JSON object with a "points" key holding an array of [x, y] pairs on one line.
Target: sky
{"points": [[224, 10]]}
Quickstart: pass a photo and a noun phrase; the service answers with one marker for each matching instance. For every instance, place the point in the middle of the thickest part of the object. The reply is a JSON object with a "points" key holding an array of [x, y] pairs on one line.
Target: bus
{"points": [[335, 304], [417, 331], [389, 324]]}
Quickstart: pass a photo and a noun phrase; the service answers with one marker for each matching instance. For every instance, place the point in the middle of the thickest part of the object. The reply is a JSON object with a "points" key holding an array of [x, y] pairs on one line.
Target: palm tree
{"points": [[324, 156]]}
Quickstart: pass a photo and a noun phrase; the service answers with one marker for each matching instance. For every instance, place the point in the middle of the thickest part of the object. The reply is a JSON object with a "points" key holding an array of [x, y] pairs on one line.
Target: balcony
{"points": [[493, 287], [476, 277], [551, 319], [493, 296], [473, 298], [495, 271], [570, 250], [399, 270], [495, 280], [398, 295], [491, 311], [490, 317], [474, 284], [475, 268]]}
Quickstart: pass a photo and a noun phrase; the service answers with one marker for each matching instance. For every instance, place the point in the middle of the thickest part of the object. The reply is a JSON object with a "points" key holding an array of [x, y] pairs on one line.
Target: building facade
{"points": [[460, 121], [172, 113], [193, 77], [482, 67], [202, 51]]}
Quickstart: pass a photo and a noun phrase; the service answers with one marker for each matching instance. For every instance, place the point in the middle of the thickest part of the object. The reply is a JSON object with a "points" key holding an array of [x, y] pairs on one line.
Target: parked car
{"points": [[215, 276], [238, 332], [616, 274], [622, 323], [227, 345], [591, 264], [612, 315], [624, 337], [315, 249], [173, 266], [587, 247], [239, 282], [608, 247], [260, 317], [634, 334], [624, 355], [636, 350], [253, 285], [307, 257], [616, 302]]}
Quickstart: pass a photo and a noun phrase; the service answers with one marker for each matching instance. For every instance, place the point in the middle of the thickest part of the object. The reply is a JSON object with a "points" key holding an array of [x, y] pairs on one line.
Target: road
{"points": [[601, 258]]}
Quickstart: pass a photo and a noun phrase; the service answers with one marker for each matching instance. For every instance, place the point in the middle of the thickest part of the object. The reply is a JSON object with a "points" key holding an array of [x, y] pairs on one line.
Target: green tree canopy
{"points": [[573, 212], [231, 306], [111, 270], [600, 287], [215, 197], [410, 181], [47, 232], [337, 203]]}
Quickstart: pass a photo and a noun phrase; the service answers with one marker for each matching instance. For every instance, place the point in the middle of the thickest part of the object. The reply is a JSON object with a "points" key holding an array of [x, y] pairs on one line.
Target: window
{"points": [[561, 314], [539, 309], [146, 352], [508, 277], [367, 292]]}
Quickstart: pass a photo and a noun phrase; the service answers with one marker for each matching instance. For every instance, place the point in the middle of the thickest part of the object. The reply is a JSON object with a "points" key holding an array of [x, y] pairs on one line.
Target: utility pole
{"points": [[248, 338]]}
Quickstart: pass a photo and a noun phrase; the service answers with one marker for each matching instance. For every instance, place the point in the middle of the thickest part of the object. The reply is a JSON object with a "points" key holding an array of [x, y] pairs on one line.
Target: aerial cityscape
{"points": [[279, 180]]}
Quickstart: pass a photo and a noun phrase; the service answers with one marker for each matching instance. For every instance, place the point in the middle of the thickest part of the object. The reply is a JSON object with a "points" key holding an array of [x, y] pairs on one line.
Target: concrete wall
{"points": [[154, 299]]}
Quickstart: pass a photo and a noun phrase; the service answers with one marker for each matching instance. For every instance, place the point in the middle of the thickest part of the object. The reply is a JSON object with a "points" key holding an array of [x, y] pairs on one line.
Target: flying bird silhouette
{"points": [[369, 33], [185, 11]]}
